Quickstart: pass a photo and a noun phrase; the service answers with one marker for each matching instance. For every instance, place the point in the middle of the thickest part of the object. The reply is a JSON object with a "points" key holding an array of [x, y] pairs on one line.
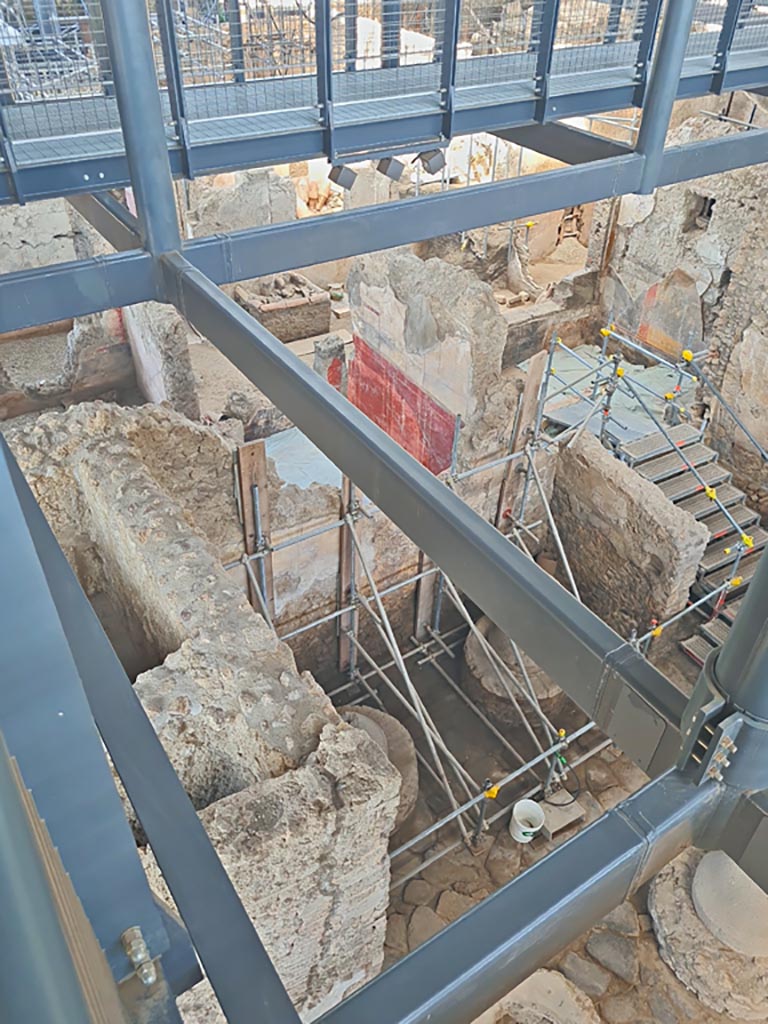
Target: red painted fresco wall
{"points": [[408, 414]]}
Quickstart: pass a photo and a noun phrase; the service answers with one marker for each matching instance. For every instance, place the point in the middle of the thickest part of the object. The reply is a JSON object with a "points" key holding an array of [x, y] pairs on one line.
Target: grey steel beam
{"points": [[645, 41], [563, 142], [469, 966], [725, 41], [448, 41], [129, 41], [236, 48], [111, 219], [174, 79], [662, 89], [630, 699], [47, 294], [545, 44], [744, 836], [741, 665], [235, 962], [38, 980]]}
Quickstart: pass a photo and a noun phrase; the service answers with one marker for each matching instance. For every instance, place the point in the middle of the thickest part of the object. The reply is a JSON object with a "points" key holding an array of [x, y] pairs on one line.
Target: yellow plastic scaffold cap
{"points": [[657, 631], [669, 396], [687, 355], [711, 493], [736, 581], [605, 331], [619, 371], [747, 541], [491, 793], [530, 223]]}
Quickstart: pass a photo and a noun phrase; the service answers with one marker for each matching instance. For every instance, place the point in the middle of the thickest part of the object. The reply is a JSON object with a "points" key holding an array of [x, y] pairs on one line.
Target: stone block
{"points": [[561, 811], [616, 953], [452, 905], [590, 978], [424, 923]]}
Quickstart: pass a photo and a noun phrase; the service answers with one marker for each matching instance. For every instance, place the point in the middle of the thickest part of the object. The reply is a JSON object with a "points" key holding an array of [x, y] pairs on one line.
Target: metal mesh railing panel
{"points": [[706, 28], [491, 28], [595, 35], [55, 72], [752, 27]]}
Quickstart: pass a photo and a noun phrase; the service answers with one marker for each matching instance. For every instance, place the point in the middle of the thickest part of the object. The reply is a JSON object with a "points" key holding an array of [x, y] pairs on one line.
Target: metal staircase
{"points": [[725, 557]]}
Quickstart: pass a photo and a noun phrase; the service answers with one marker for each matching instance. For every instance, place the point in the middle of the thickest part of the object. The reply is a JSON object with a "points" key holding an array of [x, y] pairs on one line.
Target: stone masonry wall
{"points": [[685, 268], [633, 554], [284, 787]]}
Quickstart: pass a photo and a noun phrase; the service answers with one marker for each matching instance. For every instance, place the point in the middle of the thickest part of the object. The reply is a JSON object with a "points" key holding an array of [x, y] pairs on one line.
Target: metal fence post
{"points": [[662, 89], [126, 27]]}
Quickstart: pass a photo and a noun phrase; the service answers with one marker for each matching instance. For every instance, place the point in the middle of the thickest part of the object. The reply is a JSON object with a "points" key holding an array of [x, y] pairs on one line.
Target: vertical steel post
{"points": [[731, 21], [47, 18], [174, 78], [37, 976], [236, 49], [614, 21], [350, 35], [448, 43], [645, 36], [742, 662], [391, 22], [126, 27], [662, 89], [545, 44], [324, 57]]}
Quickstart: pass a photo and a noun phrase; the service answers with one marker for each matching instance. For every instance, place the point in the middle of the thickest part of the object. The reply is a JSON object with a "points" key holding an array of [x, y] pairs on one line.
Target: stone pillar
{"points": [[710, 922]]}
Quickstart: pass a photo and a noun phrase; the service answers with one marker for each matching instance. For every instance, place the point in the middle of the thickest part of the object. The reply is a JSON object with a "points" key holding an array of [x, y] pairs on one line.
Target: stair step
{"points": [[654, 444], [716, 631], [698, 648], [730, 610], [686, 484], [715, 557], [672, 463], [719, 525], [700, 505], [713, 580]]}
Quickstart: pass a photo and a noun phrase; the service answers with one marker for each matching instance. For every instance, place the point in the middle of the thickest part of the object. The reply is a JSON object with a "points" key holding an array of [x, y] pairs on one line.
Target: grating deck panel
{"points": [[672, 464]]}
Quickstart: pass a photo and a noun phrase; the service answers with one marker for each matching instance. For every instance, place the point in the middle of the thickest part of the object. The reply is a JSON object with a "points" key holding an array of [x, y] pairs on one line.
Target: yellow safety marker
{"points": [[491, 793], [561, 733], [530, 223], [605, 331], [711, 493], [657, 631], [736, 581], [669, 396], [619, 371], [747, 541], [687, 355], [727, 551]]}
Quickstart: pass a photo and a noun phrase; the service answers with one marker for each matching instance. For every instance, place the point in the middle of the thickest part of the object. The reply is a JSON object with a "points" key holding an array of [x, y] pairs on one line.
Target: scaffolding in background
{"points": [[539, 426]]}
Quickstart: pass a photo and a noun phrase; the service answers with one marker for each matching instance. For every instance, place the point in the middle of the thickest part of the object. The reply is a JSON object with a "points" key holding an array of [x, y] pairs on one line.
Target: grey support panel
{"points": [[571, 145], [234, 959], [583, 655], [470, 965], [49, 729]]}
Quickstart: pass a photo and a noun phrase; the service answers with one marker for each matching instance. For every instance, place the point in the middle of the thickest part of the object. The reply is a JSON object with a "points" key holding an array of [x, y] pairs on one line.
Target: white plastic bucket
{"points": [[527, 820]]}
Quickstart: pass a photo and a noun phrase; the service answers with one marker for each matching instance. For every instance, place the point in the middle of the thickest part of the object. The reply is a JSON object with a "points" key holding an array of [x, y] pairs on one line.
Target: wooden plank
{"points": [[99, 989], [426, 589], [346, 572], [252, 474], [523, 432], [39, 330]]}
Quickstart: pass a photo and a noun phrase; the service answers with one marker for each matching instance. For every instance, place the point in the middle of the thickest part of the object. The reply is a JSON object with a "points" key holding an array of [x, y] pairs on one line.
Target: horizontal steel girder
{"points": [[235, 962], [476, 961], [52, 293], [630, 699], [111, 219]]}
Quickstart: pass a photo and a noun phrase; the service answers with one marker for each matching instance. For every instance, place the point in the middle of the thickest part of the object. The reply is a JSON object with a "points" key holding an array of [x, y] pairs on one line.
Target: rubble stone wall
{"points": [[633, 553], [284, 787]]}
